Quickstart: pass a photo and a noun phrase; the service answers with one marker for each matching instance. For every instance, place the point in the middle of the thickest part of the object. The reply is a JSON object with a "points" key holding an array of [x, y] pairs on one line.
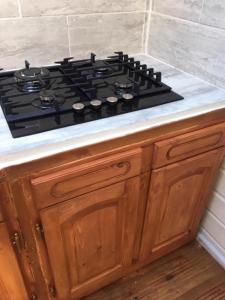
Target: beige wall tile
{"points": [[186, 9], [213, 13], [41, 41], [105, 33], [9, 8], [70, 7], [189, 46]]}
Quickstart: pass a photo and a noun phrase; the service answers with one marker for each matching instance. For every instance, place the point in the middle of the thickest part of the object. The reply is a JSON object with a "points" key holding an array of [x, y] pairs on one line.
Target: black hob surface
{"points": [[71, 92]]}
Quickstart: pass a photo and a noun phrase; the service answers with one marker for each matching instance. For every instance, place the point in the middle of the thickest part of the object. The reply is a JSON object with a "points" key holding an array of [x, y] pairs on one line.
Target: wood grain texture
{"points": [[1, 215], [11, 282], [186, 274], [90, 239], [188, 145], [177, 197], [73, 181]]}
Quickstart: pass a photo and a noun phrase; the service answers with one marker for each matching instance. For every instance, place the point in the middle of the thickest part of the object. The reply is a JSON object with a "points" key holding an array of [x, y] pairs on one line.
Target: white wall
{"points": [[212, 232]]}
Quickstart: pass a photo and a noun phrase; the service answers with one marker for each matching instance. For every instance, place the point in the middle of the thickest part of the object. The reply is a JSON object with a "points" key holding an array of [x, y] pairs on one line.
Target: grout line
{"points": [[147, 29], [187, 21], [68, 35], [143, 33], [19, 9], [70, 15], [200, 15]]}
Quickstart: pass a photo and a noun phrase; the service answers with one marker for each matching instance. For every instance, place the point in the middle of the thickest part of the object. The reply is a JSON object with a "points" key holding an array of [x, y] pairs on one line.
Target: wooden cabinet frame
{"points": [[22, 213]]}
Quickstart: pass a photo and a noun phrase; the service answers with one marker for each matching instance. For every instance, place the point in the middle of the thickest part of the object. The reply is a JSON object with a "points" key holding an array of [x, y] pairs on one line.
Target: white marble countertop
{"points": [[199, 97]]}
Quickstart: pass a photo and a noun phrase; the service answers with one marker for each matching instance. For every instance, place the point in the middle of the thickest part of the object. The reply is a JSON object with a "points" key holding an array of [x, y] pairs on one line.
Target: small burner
{"points": [[102, 71], [32, 79], [47, 96], [123, 85], [47, 99]]}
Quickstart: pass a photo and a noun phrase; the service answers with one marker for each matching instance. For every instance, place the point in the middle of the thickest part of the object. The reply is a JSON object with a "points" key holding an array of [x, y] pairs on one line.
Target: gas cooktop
{"points": [[72, 92]]}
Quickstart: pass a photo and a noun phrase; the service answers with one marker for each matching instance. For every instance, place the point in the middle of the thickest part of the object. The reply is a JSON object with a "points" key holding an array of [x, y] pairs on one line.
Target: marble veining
{"points": [[199, 97]]}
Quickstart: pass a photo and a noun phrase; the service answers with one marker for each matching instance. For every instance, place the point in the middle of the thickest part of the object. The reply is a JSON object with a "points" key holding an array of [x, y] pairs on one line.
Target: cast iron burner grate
{"points": [[72, 92]]}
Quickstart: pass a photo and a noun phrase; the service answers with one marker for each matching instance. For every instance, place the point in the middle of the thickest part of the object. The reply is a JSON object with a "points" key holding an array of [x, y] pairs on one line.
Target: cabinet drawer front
{"points": [[188, 145], [67, 183]]}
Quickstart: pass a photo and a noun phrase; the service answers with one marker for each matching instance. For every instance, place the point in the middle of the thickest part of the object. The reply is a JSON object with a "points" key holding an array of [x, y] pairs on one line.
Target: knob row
{"points": [[96, 103]]}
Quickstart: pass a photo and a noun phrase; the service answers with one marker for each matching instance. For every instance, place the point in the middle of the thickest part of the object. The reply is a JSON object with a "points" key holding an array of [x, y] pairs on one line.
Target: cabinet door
{"points": [[177, 197], [90, 238], [11, 282]]}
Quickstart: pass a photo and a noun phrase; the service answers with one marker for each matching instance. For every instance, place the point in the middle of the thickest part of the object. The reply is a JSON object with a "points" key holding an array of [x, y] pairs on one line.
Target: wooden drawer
{"points": [[187, 145], [70, 182]]}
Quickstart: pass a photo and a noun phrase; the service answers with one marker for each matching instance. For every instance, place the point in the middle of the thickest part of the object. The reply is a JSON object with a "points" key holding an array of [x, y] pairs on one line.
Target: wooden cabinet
{"points": [[89, 216], [11, 282], [177, 196], [90, 238]]}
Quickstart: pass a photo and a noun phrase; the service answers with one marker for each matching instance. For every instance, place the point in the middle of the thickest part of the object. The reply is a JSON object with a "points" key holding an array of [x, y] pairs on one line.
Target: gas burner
{"points": [[47, 99], [123, 87], [123, 84], [32, 79], [102, 71]]}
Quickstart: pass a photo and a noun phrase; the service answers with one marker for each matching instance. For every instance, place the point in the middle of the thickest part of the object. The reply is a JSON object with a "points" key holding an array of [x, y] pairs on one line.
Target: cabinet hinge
{"points": [[17, 241], [52, 290], [33, 297], [39, 230]]}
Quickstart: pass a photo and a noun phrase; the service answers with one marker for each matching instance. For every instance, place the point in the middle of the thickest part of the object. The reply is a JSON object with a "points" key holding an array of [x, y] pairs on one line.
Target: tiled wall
{"points": [[43, 31], [190, 34]]}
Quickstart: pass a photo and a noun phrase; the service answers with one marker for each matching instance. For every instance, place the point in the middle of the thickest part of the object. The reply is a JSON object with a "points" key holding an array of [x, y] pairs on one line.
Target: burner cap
{"points": [[30, 73], [47, 96], [123, 84], [47, 99], [32, 79], [101, 71]]}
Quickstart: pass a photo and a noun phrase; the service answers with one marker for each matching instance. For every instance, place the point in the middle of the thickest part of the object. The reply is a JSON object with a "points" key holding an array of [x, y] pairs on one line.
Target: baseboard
{"points": [[211, 246]]}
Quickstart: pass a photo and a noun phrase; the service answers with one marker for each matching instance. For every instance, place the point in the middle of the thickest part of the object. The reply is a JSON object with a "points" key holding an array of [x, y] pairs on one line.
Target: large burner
{"points": [[32, 79]]}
